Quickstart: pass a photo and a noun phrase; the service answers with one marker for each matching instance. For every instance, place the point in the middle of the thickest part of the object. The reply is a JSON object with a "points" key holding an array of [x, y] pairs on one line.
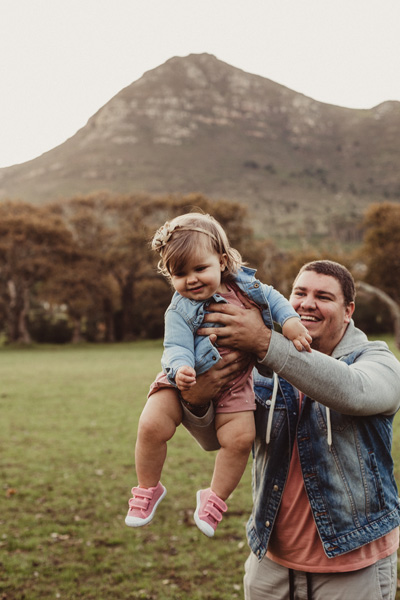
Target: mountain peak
{"points": [[198, 124], [195, 70]]}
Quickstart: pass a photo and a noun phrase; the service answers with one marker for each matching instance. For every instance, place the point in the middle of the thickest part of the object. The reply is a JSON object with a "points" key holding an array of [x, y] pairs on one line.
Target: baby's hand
{"points": [[295, 331], [185, 377]]}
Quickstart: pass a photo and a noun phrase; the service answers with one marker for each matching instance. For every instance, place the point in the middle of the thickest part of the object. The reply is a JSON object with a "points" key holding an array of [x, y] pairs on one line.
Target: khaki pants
{"points": [[201, 428], [266, 580]]}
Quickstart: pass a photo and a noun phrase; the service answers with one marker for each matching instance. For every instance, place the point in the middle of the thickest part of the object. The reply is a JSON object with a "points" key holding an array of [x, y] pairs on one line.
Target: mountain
{"points": [[197, 124]]}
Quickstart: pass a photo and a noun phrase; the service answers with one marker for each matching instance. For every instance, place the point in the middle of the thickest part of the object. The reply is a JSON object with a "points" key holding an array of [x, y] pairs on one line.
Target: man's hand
{"points": [[185, 378], [210, 384], [243, 328]]}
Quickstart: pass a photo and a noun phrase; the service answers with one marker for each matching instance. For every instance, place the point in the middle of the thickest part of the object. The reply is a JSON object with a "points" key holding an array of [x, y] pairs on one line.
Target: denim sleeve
{"points": [[281, 309], [178, 344]]}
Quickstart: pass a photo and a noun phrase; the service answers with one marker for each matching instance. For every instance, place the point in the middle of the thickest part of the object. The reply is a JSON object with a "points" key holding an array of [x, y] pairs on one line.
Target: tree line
{"points": [[82, 269]]}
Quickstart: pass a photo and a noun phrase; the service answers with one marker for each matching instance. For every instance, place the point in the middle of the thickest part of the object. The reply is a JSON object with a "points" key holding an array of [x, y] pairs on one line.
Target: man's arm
{"points": [[212, 382], [369, 386]]}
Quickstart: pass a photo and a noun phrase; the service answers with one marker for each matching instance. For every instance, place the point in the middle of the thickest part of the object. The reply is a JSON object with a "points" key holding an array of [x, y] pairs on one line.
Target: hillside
{"points": [[197, 124]]}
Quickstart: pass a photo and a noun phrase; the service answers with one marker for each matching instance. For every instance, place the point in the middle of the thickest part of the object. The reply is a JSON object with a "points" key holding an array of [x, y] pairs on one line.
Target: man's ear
{"points": [[349, 312]]}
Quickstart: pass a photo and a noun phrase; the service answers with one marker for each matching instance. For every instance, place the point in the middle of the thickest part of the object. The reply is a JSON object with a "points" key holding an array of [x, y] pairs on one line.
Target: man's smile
{"points": [[311, 318]]}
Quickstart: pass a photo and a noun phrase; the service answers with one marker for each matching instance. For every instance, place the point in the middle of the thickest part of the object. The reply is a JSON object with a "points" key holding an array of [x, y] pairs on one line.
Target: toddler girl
{"points": [[202, 266]]}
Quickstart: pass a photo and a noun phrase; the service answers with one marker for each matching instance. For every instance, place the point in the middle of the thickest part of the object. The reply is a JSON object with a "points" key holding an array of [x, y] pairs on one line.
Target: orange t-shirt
{"points": [[295, 542]]}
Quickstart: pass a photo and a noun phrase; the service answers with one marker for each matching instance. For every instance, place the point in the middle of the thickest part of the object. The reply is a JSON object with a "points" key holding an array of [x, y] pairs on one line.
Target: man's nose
{"points": [[308, 302]]}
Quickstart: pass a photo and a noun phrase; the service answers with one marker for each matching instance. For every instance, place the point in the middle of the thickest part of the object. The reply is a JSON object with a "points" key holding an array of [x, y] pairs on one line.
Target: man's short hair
{"points": [[336, 270]]}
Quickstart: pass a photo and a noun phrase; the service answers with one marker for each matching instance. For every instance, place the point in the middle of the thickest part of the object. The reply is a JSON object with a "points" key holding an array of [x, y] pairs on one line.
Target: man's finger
{"points": [[217, 332], [216, 317], [223, 307]]}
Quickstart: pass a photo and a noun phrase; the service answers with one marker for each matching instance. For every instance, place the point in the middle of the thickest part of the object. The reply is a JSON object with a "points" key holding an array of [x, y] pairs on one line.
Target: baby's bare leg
{"points": [[235, 432], [157, 424]]}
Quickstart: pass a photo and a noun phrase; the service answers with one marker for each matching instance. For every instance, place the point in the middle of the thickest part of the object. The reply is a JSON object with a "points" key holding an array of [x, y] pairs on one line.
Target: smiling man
{"points": [[326, 513], [325, 304]]}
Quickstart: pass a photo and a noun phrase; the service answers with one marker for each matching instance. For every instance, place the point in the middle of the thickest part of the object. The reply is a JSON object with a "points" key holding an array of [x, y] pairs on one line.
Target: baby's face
{"points": [[200, 278]]}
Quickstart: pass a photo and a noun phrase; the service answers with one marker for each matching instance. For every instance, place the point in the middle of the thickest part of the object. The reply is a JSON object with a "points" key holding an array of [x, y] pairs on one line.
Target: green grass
{"points": [[68, 418]]}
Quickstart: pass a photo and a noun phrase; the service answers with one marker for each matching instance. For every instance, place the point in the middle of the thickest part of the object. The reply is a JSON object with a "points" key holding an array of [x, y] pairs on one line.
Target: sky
{"points": [[62, 60]]}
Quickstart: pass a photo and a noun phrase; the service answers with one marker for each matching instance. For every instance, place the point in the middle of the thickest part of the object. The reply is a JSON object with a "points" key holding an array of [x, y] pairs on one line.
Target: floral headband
{"points": [[163, 235]]}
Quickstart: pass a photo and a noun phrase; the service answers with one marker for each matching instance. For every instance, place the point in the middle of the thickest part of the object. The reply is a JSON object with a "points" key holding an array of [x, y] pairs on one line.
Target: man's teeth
{"points": [[308, 318]]}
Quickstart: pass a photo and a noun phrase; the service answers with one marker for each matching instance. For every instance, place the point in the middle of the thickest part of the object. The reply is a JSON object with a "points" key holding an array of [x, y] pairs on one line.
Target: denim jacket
{"points": [[350, 483], [184, 316]]}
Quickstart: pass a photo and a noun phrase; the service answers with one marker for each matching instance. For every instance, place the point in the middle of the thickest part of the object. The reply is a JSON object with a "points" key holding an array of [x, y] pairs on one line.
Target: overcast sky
{"points": [[61, 60]]}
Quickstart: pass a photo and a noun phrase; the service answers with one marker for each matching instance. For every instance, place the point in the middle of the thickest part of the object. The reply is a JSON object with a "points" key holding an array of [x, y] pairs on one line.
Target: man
{"points": [[326, 509]]}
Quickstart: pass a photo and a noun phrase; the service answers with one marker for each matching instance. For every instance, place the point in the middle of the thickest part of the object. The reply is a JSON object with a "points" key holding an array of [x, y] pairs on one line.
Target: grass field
{"points": [[68, 418]]}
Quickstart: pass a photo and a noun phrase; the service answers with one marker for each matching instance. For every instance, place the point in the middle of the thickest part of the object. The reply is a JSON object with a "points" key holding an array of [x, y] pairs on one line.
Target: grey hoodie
{"points": [[367, 387]]}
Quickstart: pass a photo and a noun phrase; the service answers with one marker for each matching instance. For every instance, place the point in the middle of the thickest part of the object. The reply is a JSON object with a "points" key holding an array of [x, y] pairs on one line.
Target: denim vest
{"points": [[350, 485], [184, 317]]}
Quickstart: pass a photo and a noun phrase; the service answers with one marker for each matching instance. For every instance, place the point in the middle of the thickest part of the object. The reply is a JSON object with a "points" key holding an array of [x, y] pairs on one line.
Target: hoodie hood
{"points": [[352, 339]]}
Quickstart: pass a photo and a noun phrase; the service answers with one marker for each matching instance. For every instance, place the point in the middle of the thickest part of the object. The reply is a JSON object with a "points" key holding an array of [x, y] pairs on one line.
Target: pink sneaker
{"points": [[209, 511], [143, 504]]}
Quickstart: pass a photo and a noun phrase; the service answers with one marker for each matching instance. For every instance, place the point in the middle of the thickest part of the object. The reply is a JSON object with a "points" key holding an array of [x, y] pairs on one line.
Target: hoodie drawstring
{"points": [[329, 428], [291, 584], [329, 425], [271, 415], [271, 409]]}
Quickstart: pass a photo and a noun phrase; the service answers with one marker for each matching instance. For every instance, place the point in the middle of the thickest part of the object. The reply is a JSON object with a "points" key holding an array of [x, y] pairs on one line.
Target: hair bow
{"points": [[162, 236]]}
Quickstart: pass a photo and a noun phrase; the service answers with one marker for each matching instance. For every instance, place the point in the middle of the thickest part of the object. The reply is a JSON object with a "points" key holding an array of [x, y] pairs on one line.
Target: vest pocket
{"points": [[262, 416], [339, 422], [377, 480]]}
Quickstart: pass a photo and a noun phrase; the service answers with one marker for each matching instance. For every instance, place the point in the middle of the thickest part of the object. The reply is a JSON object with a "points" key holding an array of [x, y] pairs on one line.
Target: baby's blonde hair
{"points": [[181, 238]]}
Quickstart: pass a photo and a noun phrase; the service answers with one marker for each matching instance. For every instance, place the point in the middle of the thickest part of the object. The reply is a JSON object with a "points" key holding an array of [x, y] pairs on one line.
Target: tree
{"points": [[33, 245], [381, 248], [91, 256], [291, 263], [393, 307], [86, 286], [126, 224], [381, 254]]}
